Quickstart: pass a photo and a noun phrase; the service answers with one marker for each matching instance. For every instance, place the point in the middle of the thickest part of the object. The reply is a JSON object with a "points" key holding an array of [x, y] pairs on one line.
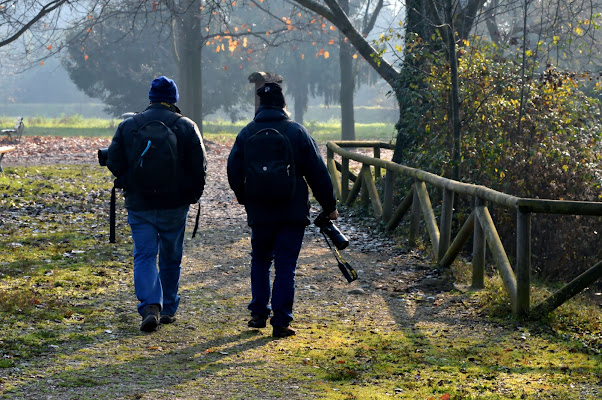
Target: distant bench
{"points": [[17, 131], [3, 151]]}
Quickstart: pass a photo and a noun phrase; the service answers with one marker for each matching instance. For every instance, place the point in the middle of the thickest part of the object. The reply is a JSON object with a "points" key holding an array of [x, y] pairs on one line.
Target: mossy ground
{"points": [[69, 327]]}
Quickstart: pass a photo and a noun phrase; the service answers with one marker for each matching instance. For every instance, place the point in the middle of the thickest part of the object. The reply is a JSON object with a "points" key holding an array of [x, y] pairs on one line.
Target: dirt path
{"points": [[209, 353]]}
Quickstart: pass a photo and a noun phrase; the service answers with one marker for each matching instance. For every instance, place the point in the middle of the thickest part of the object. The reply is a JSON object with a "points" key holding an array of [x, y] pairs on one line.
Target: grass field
{"points": [[364, 114], [212, 130]]}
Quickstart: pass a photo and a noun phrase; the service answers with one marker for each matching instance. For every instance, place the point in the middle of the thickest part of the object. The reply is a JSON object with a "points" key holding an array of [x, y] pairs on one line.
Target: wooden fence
{"points": [[479, 224]]}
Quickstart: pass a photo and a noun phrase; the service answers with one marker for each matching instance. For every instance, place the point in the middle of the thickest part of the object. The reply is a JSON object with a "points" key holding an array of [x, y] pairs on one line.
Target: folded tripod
{"points": [[347, 270]]}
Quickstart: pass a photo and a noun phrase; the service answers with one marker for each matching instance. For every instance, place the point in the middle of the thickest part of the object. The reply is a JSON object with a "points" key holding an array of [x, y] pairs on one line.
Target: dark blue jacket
{"points": [[309, 166], [192, 161]]}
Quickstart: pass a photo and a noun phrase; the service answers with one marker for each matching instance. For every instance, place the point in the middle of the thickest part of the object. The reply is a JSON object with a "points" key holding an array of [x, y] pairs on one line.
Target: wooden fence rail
{"points": [[479, 224]]}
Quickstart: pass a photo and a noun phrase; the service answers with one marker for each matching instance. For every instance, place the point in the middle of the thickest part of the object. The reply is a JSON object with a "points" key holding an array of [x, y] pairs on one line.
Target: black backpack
{"points": [[154, 156], [269, 163]]}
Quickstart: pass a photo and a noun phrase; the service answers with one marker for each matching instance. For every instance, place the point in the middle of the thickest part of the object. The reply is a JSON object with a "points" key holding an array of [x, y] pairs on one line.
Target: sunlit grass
{"points": [[56, 257], [321, 131], [331, 130], [217, 130], [430, 361], [72, 121], [66, 126]]}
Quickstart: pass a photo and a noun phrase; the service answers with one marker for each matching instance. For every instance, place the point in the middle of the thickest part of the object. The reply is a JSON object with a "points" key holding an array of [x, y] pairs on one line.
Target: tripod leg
{"points": [[112, 217]]}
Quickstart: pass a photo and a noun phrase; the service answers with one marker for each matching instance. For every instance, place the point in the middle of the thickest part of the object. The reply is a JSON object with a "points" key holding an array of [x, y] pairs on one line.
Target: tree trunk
{"points": [[188, 54], [403, 140], [300, 99], [418, 25], [409, 82], [190, 87], [454, 93], [299, 92], [347, 84]]}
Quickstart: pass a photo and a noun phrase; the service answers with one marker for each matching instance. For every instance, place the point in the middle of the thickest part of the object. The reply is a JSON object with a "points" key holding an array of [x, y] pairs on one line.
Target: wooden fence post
{"points": [[344, 178], [447, 211], [415, 216], [523, 262], [388, 200], [364, 195], [355, 189], [401, 210], [456, 247], [498, 253], [478, 251], [332, 169], [429, 216], [568, 291], [377, 155], [377, 207]]}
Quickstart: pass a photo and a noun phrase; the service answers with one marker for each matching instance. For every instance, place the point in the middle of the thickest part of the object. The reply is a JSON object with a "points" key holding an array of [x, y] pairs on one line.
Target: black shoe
{"points": [[257, 322], [167, 319], [282, 331], [150, 318]]}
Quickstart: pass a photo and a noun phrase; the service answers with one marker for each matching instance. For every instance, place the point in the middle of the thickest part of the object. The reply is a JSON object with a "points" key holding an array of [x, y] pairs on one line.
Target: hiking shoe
{"points": [[282, 331], [150, 318], [167, 319], [257, 322]]}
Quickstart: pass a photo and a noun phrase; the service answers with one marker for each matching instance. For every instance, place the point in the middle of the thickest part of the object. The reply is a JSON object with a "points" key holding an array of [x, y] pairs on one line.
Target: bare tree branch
{"points": [[369, 24], [44, 11], [338, 18]]}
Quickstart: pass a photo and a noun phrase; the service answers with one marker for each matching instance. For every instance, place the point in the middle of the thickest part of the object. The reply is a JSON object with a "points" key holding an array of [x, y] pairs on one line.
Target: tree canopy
{"points": [[106, 64]]}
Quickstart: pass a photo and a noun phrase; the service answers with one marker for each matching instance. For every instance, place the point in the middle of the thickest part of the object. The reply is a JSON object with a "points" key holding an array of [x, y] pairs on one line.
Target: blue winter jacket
{"points": [[309, 167], [192, 161]]}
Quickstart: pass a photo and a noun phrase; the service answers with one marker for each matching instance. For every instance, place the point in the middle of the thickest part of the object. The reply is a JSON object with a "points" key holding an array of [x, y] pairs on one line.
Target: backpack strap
{"points": [[196, 220], [172, 119], [139, 120], [282, 127], [169, 122]]}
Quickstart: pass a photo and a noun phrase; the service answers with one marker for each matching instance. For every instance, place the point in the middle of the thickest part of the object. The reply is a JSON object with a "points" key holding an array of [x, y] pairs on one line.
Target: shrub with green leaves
{"points": [[556, 154]]}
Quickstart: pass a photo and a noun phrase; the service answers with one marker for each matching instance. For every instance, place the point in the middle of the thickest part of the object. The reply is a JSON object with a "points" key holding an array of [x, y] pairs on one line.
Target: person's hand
{"points": [[333, 215]]}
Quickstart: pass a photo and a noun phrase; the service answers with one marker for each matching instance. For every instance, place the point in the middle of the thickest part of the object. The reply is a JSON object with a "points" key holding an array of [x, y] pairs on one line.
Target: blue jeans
{"points": [[281, 244], [162, 232]]}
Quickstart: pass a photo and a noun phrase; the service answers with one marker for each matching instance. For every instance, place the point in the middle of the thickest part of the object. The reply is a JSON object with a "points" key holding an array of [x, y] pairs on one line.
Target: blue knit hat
{"points": [[163, 89]]}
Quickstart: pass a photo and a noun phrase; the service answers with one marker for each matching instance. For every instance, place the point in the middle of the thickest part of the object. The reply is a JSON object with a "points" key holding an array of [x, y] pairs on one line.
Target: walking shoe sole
{"points": [[257, 324], [282, 333], [149, 324], [167, 319]]}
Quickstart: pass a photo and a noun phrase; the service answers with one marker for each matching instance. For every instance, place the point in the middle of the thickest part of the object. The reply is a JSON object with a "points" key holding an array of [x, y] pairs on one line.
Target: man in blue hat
{"points": [[159, 159]]}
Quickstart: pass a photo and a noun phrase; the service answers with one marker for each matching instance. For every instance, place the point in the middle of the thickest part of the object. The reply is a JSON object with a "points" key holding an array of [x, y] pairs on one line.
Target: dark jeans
{"points": [[162, 232], [281, 244]]}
